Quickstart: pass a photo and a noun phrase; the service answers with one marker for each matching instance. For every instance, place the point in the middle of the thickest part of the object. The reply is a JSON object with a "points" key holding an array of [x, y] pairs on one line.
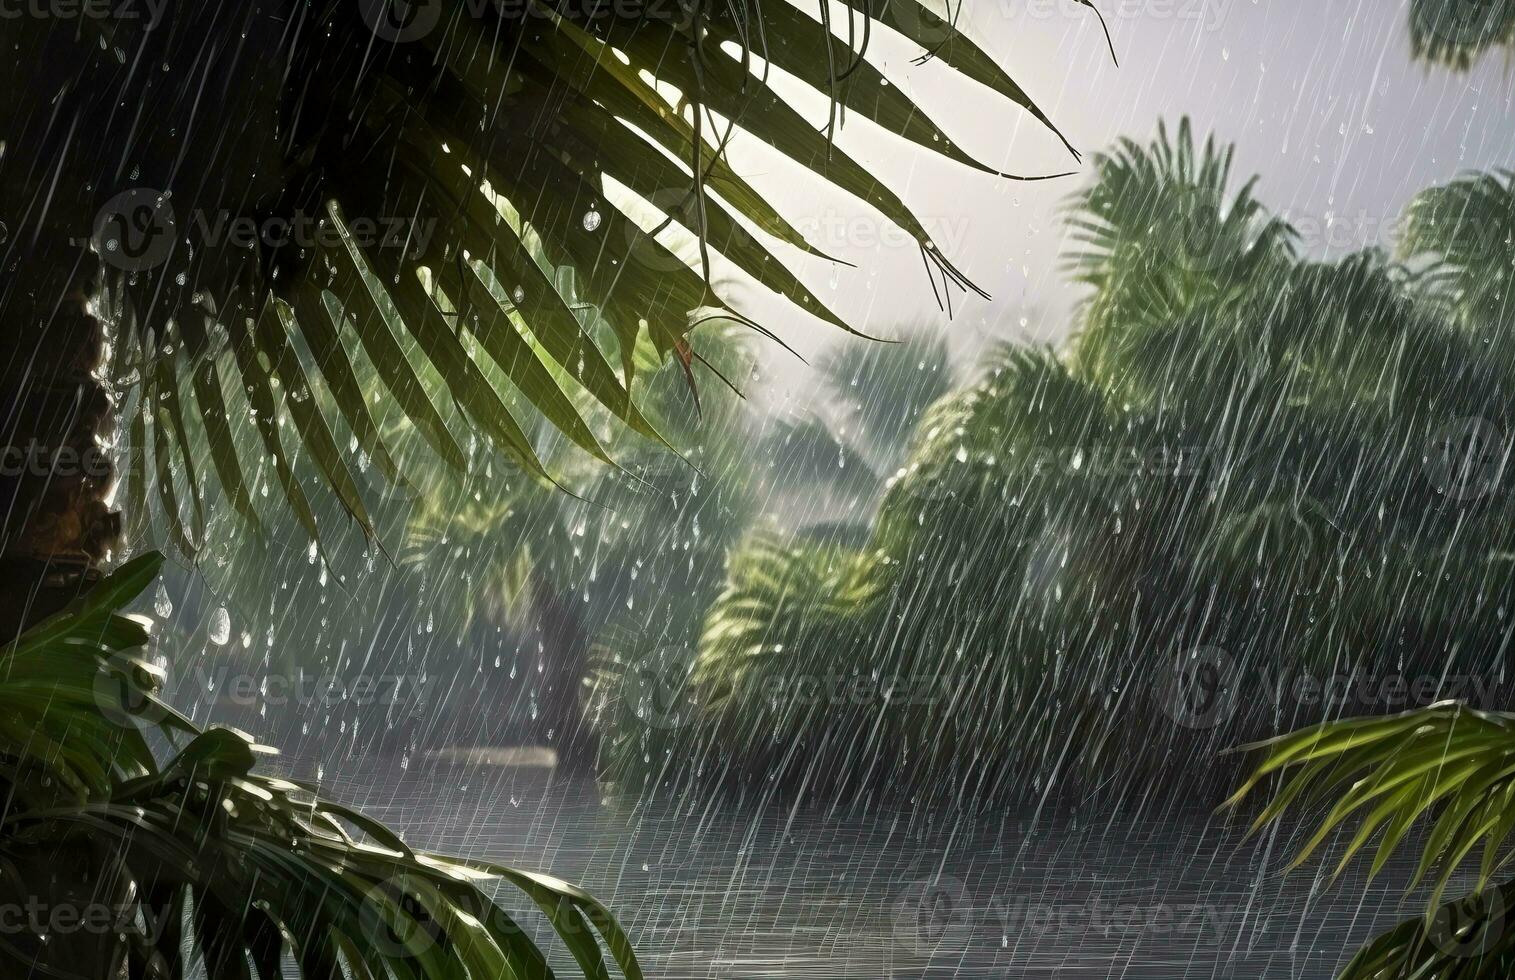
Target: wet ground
{"points": [[709, 893]]}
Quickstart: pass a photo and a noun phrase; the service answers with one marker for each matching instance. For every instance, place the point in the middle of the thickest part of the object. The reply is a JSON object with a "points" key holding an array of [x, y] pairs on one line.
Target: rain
{"points": [[658, 488]]}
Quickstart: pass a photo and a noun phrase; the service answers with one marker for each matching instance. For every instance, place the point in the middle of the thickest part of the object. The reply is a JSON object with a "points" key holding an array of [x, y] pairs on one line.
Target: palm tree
{"points": [[1463, 234], [1447, 765], [392, 174], [1259, 470], [1157, 234], [1456, 33], [259, 209], [204, 853]]}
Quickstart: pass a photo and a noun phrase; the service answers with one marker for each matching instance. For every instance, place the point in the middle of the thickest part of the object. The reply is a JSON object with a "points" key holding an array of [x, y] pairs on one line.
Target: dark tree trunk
{"points": [[55, 527], [54, 415]]}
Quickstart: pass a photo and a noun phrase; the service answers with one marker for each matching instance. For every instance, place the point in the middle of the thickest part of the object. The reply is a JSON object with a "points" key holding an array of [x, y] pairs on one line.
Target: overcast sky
{"points": [[1321, 98]]}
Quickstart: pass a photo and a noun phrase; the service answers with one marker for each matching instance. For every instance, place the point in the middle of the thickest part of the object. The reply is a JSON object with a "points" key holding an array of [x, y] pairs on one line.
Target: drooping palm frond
{"points": [[1156, 235], [782, 605], [791, 627], [1465, 230], [1457, 33], [1447, 766], [240, 869], [443, 161]]}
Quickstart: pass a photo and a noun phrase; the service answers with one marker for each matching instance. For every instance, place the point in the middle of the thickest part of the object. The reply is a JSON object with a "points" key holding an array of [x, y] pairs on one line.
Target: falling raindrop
{"points": [[162, 604], [591, 219], [220, 626]]}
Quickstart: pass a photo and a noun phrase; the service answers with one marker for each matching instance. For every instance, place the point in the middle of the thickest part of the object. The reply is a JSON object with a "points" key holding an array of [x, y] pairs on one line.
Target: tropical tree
{"points": [[1255, 479], [1456, 33], [1463, 235], [259, 210], [379, 176], [203, 854], [538, 578], [1448, 766]]}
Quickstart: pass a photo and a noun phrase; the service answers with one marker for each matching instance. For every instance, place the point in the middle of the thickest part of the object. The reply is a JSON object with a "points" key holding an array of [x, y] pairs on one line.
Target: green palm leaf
{"points": [[248, 869], [1457, 33], [1463, 232], [1447, 767], [477, 150]]}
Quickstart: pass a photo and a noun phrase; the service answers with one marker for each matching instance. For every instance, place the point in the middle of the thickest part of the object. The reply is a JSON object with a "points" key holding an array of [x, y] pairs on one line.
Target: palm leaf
{"points": [[1463, 232], [259, 868], [496, 149], [1457, 33], [1159, 234], [1449, 767]]}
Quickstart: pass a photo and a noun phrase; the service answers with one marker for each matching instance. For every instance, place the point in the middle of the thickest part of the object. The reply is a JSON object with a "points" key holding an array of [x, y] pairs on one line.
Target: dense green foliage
{"points": [[505, 144], [1253, 453], [117, 802], [1446, 766], [1457, 33]]}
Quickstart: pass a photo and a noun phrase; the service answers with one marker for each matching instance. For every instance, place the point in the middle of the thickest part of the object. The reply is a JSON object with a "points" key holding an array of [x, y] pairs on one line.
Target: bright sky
{"points": [[1321, 97]]}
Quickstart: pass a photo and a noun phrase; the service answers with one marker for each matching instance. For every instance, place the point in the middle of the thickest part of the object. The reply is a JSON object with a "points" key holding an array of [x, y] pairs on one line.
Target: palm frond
{"points": [[1387, 773], [1464, 232], [1456, 33], [245, 868], [443, 171], [1447, 767], [1156, 236]]}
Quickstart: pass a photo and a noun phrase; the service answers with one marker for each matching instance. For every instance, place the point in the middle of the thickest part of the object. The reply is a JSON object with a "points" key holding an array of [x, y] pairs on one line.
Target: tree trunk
{"points": [[55, 527], [54, 474]]}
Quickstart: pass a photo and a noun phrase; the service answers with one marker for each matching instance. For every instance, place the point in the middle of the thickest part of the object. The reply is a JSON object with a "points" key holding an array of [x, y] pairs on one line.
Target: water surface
{"points": [[708, 892]]}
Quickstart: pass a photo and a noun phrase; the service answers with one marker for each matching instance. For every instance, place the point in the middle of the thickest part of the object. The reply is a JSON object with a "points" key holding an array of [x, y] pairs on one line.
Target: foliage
{"points": [[1457, 33], [245, 868], [1157, 236], [1280, 472], [1447, 765], [516, 151], [1465, 231]]}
